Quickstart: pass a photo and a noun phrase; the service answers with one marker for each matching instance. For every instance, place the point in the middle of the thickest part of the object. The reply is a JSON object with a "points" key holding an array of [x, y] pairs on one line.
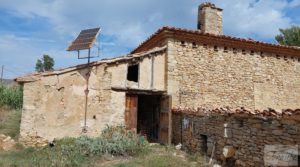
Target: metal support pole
{"points": [[86, 91]]}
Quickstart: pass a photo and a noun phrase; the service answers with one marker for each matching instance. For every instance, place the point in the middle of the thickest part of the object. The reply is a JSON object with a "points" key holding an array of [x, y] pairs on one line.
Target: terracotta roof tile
{"points": [[228, 111], [202, 34]]}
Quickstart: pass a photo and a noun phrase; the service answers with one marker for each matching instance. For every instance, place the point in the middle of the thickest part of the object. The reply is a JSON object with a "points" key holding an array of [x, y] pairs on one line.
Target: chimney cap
{"points": [[211, 5]]}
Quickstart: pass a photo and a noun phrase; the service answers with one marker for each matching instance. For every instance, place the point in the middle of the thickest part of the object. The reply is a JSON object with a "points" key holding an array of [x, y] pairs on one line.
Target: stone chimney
{"points": [[210, 19]]}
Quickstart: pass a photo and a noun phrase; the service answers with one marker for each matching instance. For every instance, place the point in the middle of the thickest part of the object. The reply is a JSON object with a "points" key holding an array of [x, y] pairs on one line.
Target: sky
{"points": [[32, 28]]}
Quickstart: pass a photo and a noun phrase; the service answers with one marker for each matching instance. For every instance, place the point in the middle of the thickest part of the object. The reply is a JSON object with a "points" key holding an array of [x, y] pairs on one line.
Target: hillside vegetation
{"points": [[11, 100], [11, 97]]}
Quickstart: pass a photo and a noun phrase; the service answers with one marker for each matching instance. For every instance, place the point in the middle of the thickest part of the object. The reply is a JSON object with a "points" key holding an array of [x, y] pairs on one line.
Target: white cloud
{"points": [[294, 3], [132, 21], [17, 54], [259, 18]]}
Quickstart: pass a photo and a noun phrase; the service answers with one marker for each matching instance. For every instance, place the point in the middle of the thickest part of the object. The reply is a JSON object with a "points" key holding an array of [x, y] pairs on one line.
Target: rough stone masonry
{"points": [[235, 137]]}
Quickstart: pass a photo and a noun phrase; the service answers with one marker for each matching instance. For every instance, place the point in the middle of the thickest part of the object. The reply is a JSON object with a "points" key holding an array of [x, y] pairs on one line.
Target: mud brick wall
{"points": [[247, 134]]}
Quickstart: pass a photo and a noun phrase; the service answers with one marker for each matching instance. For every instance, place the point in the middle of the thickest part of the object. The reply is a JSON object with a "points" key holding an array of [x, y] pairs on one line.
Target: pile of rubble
{"points": [[6, 143]]}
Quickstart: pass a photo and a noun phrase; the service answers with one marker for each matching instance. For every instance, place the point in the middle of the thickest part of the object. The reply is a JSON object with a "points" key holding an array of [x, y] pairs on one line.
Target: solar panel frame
{"points": [[84, 40]]}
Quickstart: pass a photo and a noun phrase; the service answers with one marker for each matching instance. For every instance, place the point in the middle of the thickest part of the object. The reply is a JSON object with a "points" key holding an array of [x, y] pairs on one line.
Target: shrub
{"points": [[11, 96], [77, 151], [114, 141]]}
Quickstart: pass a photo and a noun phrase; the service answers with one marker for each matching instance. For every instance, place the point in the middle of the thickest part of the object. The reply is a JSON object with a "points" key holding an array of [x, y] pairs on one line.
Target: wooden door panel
{"points": [[164, 120], [131, 112]]}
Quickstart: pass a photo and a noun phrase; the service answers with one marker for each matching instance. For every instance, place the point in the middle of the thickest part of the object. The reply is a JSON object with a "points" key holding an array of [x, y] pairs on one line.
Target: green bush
{"points": [[114, 141], [11, 96], [78, 151]]}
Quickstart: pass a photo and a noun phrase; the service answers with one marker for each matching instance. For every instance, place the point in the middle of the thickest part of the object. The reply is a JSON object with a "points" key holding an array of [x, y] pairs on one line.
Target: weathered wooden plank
{"points": [[131, 112]]}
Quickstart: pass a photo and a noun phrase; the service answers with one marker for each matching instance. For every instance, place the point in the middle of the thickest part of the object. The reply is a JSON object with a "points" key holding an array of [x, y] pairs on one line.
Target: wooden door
{"points": [[165, 120], [131, 112]]}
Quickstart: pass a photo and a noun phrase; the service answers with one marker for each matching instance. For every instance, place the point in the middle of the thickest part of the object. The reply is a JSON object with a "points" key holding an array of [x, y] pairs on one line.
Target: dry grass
{"points": [[10, 122], [158, 156]]}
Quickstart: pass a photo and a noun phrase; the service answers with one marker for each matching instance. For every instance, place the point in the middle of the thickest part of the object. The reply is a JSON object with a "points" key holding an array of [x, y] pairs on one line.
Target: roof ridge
{"points": [[253, 41], [94, 63]]}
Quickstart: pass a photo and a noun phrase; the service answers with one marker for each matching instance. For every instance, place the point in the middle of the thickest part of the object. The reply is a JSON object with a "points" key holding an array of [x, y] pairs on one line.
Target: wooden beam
{"points": [[139, 91]]}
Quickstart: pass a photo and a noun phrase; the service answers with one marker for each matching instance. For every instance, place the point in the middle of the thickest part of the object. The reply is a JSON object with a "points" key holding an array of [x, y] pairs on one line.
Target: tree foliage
{"points": [[289, 36], [44, 64]]}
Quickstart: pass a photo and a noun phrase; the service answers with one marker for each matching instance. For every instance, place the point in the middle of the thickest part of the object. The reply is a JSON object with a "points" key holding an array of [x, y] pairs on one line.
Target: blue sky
{"points": [[31, 28]]}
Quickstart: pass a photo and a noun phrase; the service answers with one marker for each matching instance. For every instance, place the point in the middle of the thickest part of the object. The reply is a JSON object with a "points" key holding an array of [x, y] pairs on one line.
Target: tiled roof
{"points": [[34, 76], [228, 111], [174, 32]]}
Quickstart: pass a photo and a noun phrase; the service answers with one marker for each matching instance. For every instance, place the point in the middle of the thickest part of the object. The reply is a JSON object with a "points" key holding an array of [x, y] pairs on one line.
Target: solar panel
{"points": [[85, 39]]}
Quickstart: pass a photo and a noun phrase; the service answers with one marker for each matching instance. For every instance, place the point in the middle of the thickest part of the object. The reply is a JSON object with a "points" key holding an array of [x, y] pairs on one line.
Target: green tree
{"points": [[289, 36], [39, 66], [46, 64]]}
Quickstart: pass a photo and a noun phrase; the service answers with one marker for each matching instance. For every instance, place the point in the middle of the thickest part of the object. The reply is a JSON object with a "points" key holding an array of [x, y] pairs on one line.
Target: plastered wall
{"points": [[54, 105]]}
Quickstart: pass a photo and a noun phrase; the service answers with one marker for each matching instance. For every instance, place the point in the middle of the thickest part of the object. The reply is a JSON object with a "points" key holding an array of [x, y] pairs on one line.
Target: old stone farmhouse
{"points": [[175, 69]]}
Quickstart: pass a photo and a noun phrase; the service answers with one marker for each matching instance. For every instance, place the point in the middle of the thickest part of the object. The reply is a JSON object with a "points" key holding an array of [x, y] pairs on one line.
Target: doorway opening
{"points": [[148, 116]]}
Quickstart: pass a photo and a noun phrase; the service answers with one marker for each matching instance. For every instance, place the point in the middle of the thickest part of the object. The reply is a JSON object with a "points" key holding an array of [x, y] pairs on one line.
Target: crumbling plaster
{"points": [[54, 105]]}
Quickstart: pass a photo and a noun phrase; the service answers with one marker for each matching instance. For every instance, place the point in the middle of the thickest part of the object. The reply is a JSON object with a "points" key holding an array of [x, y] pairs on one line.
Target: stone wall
{"points": [[219, 76], [245, 135], [54, 104]]}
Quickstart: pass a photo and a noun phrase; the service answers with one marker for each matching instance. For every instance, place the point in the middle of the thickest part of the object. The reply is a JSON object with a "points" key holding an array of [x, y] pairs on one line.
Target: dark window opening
{"points": [[133, 73], [183, 43], [262, 54], [215, 48], [243, 52], [225, 49], [194, 45], [252, 52], [234, 50]]}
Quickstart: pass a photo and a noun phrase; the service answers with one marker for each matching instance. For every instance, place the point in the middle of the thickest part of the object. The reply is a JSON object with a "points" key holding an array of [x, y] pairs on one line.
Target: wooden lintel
{"points": [[139, 91]]}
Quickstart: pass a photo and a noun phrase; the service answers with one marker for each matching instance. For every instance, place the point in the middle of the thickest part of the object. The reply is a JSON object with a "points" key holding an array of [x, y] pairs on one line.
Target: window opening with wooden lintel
{"points": [[133, 73]]}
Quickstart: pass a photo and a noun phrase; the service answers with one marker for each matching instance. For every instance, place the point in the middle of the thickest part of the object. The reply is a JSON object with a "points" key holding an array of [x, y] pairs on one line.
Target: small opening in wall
{"points": [[133, 73], [262, 54], [94, 116], [243, 52], [240, 123], [277, 56], [234, 50], [285, 58], [194, 45], [292, 58], [252, 52], [299, 59], [205, 45], [203, 144], [183, 43], [225, 49], [216, 48]]}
